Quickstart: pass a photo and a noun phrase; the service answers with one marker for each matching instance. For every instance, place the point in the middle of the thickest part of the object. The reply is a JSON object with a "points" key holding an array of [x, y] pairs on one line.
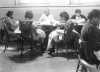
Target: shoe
{"points": [[47, 55]]}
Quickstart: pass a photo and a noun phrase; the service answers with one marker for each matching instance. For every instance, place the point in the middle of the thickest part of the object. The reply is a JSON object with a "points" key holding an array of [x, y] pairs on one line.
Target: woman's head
{"points": [[9, 14], [29, 14], [77, 12], [64, 16], [94, 17], [47, 12]]}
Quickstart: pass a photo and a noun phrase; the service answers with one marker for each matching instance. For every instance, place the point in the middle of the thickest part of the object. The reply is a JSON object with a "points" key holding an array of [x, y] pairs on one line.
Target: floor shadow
{"points": [[26, 57]]}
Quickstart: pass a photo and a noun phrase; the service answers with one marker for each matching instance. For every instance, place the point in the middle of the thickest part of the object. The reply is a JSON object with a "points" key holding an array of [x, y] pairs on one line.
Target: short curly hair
{"points": [[77, 11], [9, 13], [65, 15], [29, 14], [94, 14]]}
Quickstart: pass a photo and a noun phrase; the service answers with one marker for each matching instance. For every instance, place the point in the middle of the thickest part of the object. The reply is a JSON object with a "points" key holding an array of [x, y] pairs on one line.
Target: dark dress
{"points": [[91, 35]]}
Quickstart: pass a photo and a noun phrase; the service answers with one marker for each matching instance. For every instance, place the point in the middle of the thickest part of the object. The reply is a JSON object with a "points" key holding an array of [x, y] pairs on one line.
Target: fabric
{"points": [[79, 20], [91, 34], [10, 24], [47, 20], [56, 34], [2, 24], [59, 38], [40, 33]]}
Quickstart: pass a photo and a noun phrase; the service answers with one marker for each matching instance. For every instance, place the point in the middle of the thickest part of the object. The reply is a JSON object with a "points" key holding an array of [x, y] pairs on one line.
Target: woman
{"points": [[47, 18], [90, 34], [10, 22], [79, 19], [30, 27], [58, 34], [9, 25], [26, 24]]}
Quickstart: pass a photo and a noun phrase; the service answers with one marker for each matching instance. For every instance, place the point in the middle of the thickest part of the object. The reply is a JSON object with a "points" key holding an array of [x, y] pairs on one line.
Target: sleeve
{"points": [[84, 17], [73, 17]]}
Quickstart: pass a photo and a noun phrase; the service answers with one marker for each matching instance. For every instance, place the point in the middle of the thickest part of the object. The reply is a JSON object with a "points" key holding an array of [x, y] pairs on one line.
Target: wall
{"points": [[19, 12], [19, 9]]}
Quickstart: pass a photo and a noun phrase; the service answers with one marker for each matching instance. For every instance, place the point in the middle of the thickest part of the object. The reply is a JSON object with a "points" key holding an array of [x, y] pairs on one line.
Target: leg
{"points": [[49, 45]]}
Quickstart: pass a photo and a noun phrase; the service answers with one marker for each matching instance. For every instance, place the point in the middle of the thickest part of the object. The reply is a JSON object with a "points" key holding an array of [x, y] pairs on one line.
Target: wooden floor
{"points": [[41, 64]]}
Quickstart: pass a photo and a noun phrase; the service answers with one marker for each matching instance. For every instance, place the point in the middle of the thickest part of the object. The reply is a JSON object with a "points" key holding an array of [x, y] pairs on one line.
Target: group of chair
{"points": [[20, 39]]}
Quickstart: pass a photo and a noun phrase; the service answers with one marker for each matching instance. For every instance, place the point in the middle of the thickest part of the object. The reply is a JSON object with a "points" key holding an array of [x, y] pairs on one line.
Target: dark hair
{"points": [[9, 13], [77, 11], [65, 15], [29, 14], [93, 15]]}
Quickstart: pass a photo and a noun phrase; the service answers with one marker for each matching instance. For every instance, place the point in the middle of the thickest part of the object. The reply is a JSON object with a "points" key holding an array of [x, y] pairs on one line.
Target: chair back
{"points": [[26, 27]]}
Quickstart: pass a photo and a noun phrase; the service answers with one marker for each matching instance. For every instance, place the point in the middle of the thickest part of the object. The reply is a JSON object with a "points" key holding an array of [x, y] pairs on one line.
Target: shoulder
{"points": [[87, 28]]}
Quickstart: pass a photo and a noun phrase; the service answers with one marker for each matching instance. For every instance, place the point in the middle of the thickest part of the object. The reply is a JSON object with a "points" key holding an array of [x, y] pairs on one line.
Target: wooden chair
{"points": [[9, 37]]}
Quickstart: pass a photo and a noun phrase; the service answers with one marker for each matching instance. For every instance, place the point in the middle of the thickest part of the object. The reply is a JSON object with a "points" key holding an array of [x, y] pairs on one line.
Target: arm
{"points": [[84, 17]]}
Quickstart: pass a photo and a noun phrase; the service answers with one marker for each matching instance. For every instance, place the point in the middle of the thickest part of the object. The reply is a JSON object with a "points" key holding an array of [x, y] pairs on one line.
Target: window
{"points": [[85, 2], [44, 2], [4, 3]]}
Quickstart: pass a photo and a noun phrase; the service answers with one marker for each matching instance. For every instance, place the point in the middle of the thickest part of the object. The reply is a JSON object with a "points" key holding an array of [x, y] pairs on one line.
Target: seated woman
{"points": [[58, 34], [10, 24], [47, 18], [29, 28], [79, 19], [91, 35], [26, 25]]}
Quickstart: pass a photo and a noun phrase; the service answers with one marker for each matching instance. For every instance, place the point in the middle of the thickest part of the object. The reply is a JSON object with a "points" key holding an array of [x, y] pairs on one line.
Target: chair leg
{"points": [[5, 49], [31, 44], [6, 45], [22, 48]]}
